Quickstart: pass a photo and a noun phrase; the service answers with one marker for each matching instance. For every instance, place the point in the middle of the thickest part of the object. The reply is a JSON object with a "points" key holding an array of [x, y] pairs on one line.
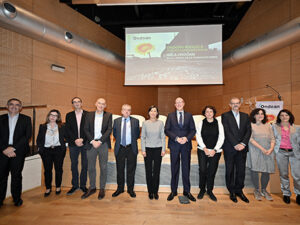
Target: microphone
{"points": [[279, 96]]}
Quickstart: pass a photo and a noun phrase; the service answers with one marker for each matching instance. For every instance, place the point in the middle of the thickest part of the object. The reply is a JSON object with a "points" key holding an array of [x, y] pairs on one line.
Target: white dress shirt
{"points": [[12, 122], [98, 125], [237, 117], [178, 116]]}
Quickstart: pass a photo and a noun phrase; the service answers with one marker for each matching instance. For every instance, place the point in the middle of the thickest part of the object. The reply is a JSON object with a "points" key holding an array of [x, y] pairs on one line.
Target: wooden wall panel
{"points": [[42, 71], [272, 69], [14, 87], [295, 62], [166, 99], [262, 17], [89, 96], [44, 92], [296, 93]]}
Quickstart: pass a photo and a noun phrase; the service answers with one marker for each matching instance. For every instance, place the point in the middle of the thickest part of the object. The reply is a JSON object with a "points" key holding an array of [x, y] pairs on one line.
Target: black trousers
{"points": [[14, 166], [52, 157], [208, 167], [128, 157], [235, 164], [152, 166], [74, 154]]}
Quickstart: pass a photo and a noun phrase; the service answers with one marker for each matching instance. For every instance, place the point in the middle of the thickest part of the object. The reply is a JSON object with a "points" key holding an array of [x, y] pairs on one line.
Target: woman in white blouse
{"points": [[52, 148], [153, 143], [210, 138]]}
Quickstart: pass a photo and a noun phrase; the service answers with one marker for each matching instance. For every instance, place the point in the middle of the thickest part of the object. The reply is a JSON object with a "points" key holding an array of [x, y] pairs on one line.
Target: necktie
{"points": [[180, 120], [123, 142]]}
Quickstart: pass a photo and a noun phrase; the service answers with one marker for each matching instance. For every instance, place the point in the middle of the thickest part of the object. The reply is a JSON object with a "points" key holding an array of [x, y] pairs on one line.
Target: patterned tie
{"points": [[123, 142], [180, 120]]}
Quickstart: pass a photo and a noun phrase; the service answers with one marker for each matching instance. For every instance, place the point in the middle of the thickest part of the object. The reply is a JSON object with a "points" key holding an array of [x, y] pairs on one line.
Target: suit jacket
{"points": [[89, 127], [40, 140], [72, 128], [22, 134], [135, 134], [173, 130], [233, 134]]}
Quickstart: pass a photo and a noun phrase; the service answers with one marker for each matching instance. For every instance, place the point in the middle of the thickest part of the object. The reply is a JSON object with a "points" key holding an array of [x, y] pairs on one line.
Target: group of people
{"points": [[245, 141]]}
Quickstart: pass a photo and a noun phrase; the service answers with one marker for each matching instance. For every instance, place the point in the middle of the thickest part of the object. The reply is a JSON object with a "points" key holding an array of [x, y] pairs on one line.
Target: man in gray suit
{"points": [[97, 129], [126, 131]]}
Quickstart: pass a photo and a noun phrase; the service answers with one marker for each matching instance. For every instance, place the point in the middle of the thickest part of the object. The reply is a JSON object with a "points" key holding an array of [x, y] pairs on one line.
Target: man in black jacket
{"points": [[237, 129], [76, 140], [15, 132]]}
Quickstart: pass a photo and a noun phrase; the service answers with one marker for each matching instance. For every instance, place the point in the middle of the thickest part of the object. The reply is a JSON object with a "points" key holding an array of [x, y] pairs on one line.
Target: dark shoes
{"points": [[189, 196], [58, 191], [19, 203], [201, 194], [101, 194], [88, 193], [171, 196], [287, 199], [232, 197], [242, 197], [156, 196], [83, 189], [117, 192], [72, 190], [131, 193], [298, 199], [47, 193], [150, 196], [212, 196]]}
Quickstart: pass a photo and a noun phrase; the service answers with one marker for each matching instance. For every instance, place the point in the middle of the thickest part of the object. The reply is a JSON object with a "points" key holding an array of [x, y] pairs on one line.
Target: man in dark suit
{"points": [[180, 128], [237, 129], [15, 132], [126, 131], [76, 141], [97, 128]]}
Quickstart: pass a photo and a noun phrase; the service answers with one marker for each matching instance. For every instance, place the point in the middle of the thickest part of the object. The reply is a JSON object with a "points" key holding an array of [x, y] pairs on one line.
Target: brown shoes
{"points": [[88, 193], [101, 194]]}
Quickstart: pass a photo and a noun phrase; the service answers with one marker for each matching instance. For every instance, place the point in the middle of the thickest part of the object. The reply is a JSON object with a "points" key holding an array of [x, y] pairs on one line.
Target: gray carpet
{"points": [[165, 175]]}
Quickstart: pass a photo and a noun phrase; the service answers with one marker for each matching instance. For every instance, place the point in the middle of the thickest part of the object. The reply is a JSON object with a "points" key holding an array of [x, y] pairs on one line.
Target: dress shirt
{"points": [[178, 116], [237, 118], [128, 130], [12, 122], [52, 136], [98, 125], [78, 119]]}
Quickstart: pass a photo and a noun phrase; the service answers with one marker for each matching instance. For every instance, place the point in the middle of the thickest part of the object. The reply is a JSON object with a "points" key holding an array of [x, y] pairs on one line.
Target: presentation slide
{"points": [[177, 55]]}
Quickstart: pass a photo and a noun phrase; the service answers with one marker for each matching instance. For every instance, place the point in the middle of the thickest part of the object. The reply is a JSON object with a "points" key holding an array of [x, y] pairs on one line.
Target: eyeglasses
{"points": [[12, 104], [54, 115]]}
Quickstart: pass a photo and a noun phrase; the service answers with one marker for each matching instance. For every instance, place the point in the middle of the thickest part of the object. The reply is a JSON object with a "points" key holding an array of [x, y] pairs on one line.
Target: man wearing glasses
{"points": [[15, 132], [237, 129], [76, 140]]}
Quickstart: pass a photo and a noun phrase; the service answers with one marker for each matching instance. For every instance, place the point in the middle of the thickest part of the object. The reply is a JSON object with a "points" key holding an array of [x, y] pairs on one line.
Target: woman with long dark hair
{"points": [[52, 148], [287, 150], [153, 141]]}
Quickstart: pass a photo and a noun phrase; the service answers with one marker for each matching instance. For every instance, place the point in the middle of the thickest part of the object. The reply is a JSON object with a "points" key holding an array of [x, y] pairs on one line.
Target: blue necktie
{"points": [[180, 120], [123, 142]]}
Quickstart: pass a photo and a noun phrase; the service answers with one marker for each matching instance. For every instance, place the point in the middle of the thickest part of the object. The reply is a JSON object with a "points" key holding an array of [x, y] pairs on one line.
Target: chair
{"points": [[140, 118], [163, 118]]}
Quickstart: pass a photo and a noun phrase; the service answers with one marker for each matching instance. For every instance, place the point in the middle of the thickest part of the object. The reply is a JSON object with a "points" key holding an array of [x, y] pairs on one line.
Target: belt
{"points": [[286, 149], [53, 147], [126, 146]]}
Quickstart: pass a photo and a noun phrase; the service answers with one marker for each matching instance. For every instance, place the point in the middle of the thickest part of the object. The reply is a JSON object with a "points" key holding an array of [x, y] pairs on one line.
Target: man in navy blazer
{"points": [[126, 131], [180, 128], [237, 130], [76, 140], [15, 133], [97, 129]]}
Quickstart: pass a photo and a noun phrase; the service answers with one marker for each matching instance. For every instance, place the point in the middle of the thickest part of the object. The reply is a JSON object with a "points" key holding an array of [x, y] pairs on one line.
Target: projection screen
{"points": [[177, 55]]}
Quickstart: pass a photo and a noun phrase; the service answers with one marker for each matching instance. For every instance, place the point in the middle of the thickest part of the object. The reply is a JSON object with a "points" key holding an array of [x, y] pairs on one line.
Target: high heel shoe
{"points": [[57, 192], [47, 193]]}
